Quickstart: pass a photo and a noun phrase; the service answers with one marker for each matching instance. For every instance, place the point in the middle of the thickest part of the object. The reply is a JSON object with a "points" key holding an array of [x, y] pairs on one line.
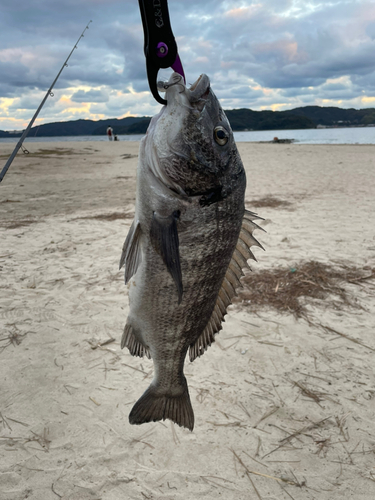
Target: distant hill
{"points": [[247, 119], [240, 119], [127, 125], [331, 116], [79, 127]]}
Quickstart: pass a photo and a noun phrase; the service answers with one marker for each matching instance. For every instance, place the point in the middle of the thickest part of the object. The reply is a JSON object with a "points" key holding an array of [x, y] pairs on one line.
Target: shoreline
{"points": [[360, 135]]}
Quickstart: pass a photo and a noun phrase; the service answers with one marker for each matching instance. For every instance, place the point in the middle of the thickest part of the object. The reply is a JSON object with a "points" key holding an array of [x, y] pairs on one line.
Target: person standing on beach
{"points": [[110, 133]]}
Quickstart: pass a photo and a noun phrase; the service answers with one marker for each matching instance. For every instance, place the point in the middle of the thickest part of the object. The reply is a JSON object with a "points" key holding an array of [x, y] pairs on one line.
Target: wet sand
{"points": [[283, 408]]}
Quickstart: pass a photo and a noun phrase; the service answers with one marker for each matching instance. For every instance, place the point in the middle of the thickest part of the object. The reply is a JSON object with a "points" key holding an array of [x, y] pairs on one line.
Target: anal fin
{"points": [[129, 340]]}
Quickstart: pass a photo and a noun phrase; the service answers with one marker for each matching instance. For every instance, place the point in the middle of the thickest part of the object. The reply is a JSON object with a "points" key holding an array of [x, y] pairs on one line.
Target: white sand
{"points": [[64, 406]]}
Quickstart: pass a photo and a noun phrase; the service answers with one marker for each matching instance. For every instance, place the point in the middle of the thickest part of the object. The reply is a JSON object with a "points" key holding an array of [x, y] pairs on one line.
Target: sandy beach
{"points": [[284, 406]]}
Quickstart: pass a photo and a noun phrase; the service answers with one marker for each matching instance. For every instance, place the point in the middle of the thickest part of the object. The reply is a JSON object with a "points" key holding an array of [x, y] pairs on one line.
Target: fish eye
{"points": [[220, 135]]}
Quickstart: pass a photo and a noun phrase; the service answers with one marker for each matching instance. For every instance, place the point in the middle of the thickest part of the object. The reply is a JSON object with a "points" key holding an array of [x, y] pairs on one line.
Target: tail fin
{"points": [[154, 406]]}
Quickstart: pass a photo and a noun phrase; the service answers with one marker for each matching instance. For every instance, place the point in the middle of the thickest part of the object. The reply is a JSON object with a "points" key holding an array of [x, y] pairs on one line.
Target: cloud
{"points": [[257, 53], [90, 96]]}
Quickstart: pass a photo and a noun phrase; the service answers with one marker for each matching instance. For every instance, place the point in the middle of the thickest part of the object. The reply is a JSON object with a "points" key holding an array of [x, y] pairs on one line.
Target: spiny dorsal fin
{"points": [[230, 283], [251, 216]]}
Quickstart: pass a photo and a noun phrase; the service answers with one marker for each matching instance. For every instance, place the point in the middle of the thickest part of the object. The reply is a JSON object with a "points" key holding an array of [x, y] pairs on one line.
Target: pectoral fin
{"points": [[131, 252], [164, 239]]}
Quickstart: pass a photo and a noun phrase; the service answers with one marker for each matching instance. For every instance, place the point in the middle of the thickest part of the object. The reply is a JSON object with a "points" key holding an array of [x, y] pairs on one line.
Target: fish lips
{"points": [[199, 91], [197, 94]]}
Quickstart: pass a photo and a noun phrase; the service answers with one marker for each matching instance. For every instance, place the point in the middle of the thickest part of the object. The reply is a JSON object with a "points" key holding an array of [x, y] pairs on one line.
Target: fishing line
{"points": [[165, 85], [48, 94]]}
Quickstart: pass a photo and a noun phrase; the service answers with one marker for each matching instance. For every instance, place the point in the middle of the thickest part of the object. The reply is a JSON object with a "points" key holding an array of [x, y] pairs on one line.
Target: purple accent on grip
{"points": [[161, 49], [177, 67]]}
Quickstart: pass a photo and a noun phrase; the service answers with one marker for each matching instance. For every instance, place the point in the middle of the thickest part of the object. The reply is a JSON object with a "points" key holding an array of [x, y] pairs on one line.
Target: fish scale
{"points": [[187, 246]]}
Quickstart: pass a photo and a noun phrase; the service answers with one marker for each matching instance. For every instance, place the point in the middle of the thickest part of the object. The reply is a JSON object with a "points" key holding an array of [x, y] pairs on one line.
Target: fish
{"points": [[188, 244]]}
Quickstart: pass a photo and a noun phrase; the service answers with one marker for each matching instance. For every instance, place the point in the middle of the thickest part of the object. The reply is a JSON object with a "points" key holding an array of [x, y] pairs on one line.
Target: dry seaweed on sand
{"points": [[288, 290], [108, 217], [57, 152], [17, 223], [14, 337], [270, 202]]}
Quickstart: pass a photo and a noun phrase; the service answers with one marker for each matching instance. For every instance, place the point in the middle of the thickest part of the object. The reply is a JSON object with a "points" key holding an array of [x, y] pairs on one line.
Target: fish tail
{"points": [[154, 406]]}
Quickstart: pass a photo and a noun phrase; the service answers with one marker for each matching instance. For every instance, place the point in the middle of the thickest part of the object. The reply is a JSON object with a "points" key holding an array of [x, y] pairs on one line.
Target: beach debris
{"points": [[14, 337], [270, 202], [42, 439], [126, 156], [108, 216], [15, 224], [289, 289], [286, 479], [188, 243], [276, 140], [94, 401], [95, 345]]}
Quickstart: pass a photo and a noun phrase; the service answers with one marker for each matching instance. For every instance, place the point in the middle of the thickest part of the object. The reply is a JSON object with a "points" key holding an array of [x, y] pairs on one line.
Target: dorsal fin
{"points": [[229, 285]]}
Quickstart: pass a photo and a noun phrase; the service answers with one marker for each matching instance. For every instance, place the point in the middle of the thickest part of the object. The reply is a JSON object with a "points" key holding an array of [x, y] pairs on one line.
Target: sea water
{"points": [[353, 135]]}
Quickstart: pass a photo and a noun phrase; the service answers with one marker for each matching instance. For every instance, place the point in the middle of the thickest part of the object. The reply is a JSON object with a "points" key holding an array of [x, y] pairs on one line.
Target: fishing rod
{"points": [[49, 93]]}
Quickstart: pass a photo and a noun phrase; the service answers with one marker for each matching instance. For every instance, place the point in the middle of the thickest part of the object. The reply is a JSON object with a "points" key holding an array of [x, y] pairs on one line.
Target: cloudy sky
{"points": [[266, 54]]}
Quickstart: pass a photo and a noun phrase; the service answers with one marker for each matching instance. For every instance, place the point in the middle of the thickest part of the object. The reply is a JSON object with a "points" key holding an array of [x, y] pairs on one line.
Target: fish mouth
{"points": [[194, 85], [197, 93], [200, 89]]}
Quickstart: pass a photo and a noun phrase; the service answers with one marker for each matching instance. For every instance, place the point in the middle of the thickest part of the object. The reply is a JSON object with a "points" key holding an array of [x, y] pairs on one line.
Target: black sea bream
{"points": [[187, 245]]}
